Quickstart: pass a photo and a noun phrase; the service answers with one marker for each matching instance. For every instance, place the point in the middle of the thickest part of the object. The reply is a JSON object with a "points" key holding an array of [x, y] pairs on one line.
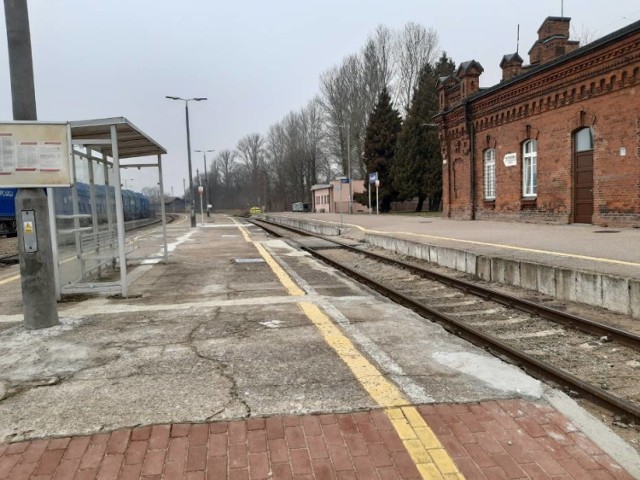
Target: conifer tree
{"points": [[417, 170], [380, 146]]}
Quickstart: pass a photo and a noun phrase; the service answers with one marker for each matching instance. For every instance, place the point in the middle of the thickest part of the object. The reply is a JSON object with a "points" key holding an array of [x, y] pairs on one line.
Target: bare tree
{"points": [[251, 151], [377, 59], [225, 166], [416, 46], [583, 34], [153, 194]]}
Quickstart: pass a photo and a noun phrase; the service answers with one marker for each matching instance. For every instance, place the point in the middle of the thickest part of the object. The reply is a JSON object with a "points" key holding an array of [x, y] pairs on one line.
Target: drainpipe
{"points": [[472, 147]]}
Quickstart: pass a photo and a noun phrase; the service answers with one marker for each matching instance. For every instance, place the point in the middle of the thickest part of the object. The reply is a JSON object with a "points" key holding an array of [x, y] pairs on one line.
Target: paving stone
{"points": [[363, 445]]}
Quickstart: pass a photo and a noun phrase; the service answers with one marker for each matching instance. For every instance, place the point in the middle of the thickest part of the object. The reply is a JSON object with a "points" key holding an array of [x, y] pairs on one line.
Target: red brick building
{"points": [[555, 141]]}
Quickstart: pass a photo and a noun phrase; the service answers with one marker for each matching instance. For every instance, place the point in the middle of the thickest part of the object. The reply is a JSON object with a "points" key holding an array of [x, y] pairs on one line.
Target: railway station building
{"points": [[556, 141]]}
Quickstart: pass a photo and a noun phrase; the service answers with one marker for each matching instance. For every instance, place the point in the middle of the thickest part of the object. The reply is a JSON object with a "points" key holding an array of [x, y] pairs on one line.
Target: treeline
{"points": [[390, 79]]}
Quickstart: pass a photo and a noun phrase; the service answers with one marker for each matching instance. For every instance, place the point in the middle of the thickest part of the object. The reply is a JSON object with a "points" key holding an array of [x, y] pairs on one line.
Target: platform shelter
{"points": [[90, 218]]}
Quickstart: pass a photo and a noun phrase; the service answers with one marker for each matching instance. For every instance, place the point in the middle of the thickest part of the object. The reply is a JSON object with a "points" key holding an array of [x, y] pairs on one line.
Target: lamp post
{"points": [[184, 195], [186, 111], [206, 179]]}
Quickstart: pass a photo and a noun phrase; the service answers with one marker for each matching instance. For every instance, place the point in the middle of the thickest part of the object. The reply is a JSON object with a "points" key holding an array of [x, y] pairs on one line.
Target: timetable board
{"points": [[35, 154]]}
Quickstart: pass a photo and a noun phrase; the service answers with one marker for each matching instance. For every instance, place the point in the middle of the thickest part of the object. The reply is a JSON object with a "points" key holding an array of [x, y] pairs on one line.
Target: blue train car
{"points": [[7, 211], [135, 205]]}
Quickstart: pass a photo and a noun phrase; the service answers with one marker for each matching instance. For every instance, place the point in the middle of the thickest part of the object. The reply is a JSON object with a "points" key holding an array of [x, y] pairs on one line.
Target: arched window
{"points": [[584, 140], [490, 174], [530, 168]]}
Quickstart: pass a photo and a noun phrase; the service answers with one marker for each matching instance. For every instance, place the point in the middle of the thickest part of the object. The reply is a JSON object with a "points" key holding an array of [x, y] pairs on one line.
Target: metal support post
{"points": [[162, 211], [201, 209], [119, 212], [94, 209], [369, 189], [206, 184], [54, 240], [377, 198], [349, 167], [107, 198], [340, 185], [75, 208], [192, 212]]}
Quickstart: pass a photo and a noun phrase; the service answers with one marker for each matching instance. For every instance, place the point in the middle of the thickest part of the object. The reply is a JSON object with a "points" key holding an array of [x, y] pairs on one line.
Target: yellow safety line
{"points": [[430, 457], [498, 245], [10, 279]]}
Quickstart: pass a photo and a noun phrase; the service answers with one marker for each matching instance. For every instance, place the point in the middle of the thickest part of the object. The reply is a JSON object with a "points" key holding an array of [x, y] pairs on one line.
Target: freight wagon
{"points": [[135, 205]]}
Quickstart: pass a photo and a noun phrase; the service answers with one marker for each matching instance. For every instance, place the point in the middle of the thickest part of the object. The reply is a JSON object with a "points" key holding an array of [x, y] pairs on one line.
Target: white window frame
{"points": [[490, 174], [530, 165]]}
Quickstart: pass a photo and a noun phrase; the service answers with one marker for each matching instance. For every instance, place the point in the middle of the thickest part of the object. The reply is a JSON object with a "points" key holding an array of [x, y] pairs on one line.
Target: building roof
{"points": [[469, 65], [511, 57], [132, 142], [318, 186], [601, 42]]}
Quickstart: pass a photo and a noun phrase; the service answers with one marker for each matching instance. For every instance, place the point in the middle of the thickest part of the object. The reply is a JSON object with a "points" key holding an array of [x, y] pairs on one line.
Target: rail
{"points": [[538, 368]]}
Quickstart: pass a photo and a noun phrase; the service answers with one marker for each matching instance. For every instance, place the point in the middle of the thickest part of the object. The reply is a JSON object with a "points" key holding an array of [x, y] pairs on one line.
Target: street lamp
{"points": [[186, 110], [206, 179]]}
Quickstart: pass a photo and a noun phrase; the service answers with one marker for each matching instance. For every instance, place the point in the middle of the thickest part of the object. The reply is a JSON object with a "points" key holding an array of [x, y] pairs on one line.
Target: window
{"points": [[584, 140], [530, 168], [490, 174]]}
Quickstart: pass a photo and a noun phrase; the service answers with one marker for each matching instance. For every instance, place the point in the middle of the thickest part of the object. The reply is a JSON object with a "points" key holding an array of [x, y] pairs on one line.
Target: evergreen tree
{"points": [[380, 146], [417, 171]]}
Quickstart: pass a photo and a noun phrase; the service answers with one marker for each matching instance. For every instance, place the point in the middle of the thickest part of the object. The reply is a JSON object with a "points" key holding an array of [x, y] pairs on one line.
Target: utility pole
{"points": [[186, 112], [207, 189], [32, 212], [349, 167]]}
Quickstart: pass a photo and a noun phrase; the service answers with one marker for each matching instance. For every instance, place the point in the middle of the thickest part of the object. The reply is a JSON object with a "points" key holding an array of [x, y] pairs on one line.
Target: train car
{"points": [[7, 211], [135, 205], [300, 207]]}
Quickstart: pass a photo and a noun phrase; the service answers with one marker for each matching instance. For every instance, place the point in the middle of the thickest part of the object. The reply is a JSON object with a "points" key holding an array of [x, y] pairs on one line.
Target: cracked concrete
{"points": [[204, 338]]}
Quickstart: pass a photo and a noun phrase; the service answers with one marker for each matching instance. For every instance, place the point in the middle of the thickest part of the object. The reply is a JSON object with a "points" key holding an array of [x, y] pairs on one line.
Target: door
{"points": [[583, 187]]}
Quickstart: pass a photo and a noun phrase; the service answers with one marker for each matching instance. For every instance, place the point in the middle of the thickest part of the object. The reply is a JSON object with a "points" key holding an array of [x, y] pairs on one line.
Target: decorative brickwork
{"points": [[595, 86]]}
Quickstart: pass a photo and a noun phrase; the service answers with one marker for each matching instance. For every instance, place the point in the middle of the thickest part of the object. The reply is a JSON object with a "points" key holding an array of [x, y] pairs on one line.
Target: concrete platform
{"points": [[276, 369], [583, 263]]}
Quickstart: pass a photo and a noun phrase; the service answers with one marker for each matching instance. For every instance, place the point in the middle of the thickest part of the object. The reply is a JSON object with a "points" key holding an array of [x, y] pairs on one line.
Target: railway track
{"points": [[585, 357]]}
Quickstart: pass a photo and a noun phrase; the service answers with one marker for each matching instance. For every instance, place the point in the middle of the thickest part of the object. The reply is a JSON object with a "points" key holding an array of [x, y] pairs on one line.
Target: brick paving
{"points": [[497, 439]]}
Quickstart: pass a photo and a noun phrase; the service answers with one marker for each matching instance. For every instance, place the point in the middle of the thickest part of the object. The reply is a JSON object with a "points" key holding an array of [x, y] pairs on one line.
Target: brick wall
{"points": [[601, 90]]}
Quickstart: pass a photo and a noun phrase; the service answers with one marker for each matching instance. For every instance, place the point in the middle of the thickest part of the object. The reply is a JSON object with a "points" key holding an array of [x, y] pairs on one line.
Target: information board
{"points": [[35, 154]]}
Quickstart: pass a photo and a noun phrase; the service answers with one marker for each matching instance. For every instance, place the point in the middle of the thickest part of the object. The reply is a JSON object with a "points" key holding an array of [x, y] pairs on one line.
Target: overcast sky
{"points": [[255, 60]]}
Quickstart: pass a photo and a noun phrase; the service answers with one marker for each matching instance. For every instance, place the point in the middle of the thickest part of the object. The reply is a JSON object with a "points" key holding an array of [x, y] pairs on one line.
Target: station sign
{"points": [[373, 177], [510, 159], [344, 180], [35, 154]]}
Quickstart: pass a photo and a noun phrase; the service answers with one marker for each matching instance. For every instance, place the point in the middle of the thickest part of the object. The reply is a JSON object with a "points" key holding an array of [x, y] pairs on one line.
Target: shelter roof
{"points": [[132, 142]]}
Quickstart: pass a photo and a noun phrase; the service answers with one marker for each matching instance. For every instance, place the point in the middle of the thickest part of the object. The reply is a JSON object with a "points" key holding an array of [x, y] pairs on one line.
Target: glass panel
{"points": [[534, 175], [584, 140], [490, 174], [530, 146]]}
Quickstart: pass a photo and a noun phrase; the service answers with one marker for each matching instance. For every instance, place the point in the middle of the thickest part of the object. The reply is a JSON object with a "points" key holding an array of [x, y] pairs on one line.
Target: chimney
{"points": [[469, 74], [441, 87], [553, 41], [511, 66]]}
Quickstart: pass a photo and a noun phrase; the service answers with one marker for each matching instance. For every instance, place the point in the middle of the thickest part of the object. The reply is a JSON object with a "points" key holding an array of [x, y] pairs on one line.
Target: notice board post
{"points": [[32, 215]]}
